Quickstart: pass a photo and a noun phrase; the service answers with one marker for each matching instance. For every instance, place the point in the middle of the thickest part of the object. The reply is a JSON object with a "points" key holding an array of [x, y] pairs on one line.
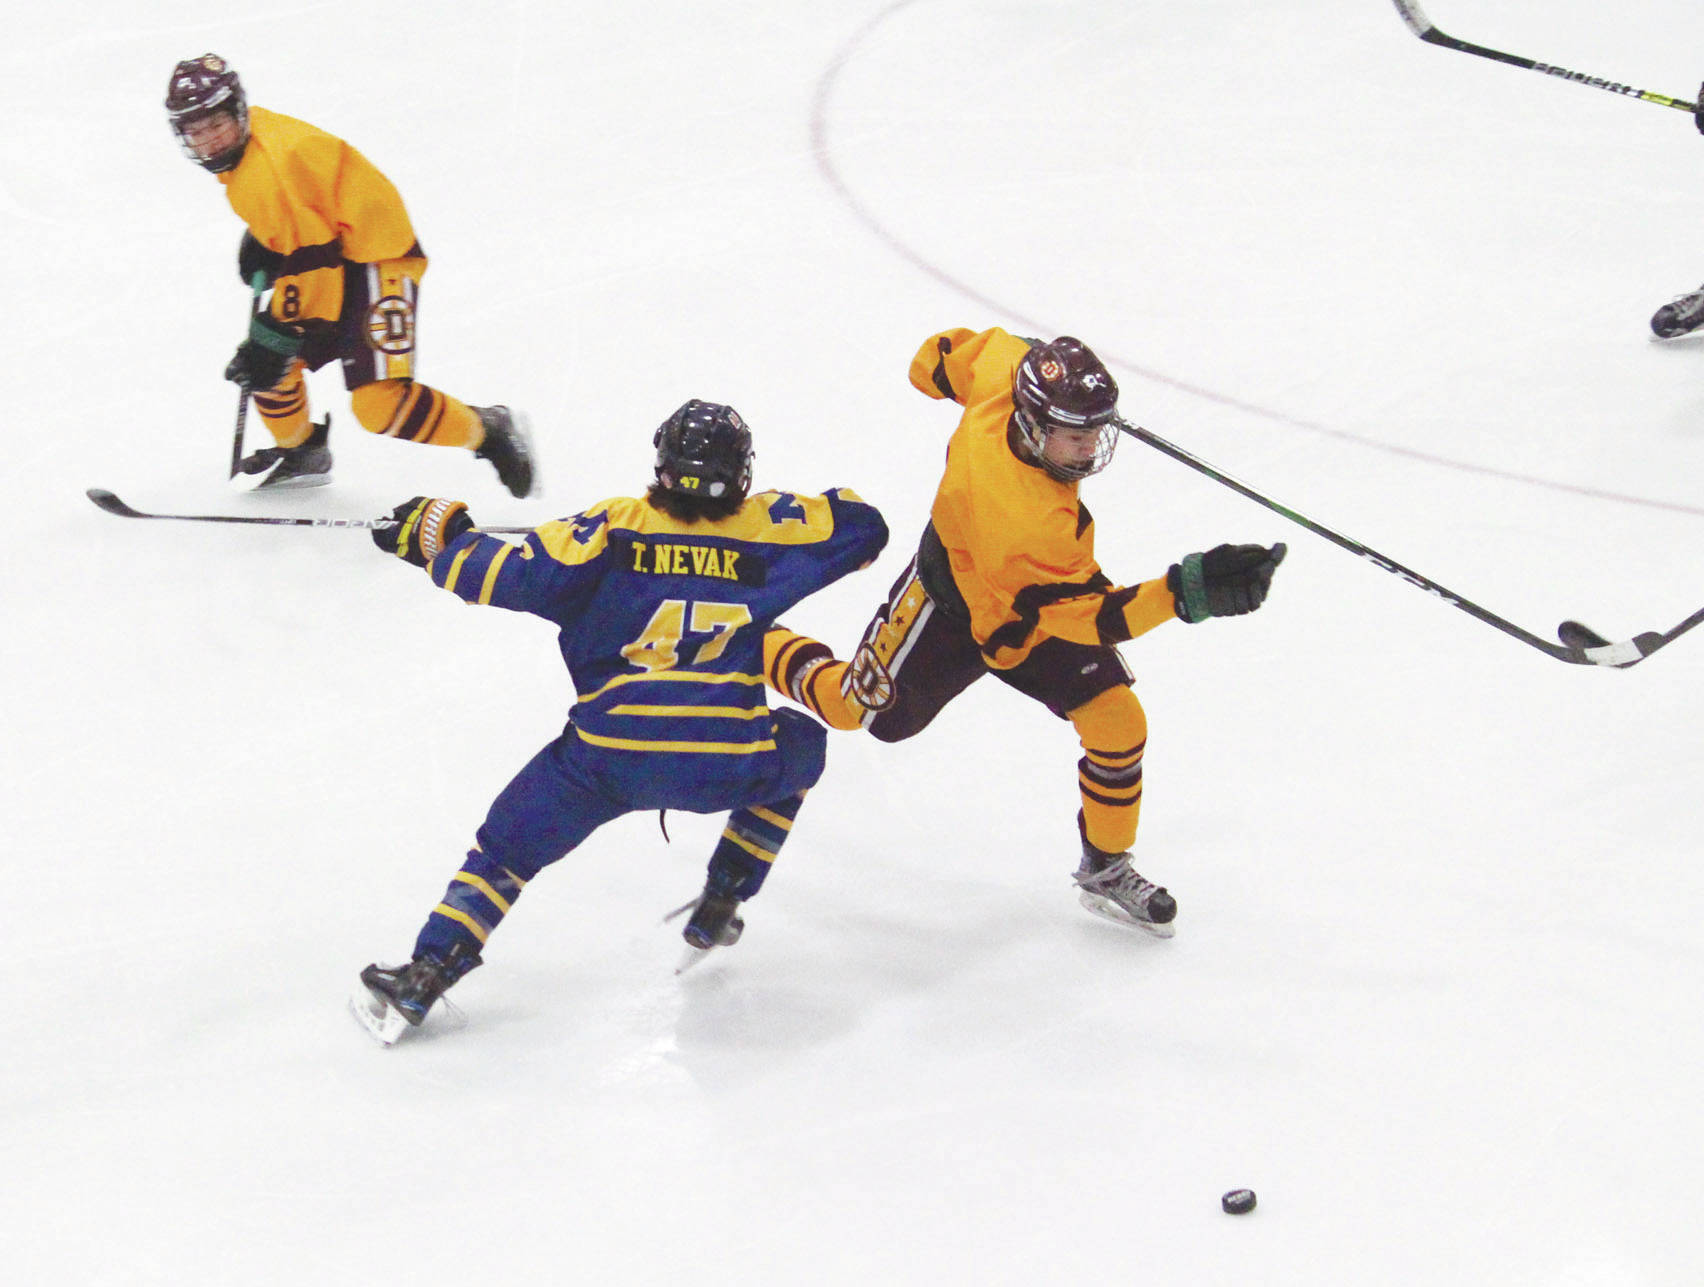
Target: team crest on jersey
{"points": [[390, 326], [1052, 370]]}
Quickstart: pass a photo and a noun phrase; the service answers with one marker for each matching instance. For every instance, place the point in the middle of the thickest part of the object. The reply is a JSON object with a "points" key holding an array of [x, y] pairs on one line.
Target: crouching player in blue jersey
{"points": [[663, 602]]}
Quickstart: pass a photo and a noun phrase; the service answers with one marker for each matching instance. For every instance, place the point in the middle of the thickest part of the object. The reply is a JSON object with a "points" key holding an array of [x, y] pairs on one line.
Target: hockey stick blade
{"points": [[113, 505], [1620, 655], [1421, 25]]}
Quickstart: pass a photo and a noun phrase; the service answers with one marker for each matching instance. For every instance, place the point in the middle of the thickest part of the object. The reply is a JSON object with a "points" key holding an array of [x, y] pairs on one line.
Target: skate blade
{"points": [[380, 1020], [245, 483], [691, 957], [1106, 909]]}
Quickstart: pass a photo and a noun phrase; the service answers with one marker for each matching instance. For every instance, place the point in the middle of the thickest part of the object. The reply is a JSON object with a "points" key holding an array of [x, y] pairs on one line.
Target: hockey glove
{"points": [[262, 359], [1227, 581], [254, 257], [1698, 111], [419, 528]]}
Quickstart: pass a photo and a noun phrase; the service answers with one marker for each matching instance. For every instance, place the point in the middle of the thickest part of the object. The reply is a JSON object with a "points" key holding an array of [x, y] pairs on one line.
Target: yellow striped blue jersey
{"points": [[662, 621]]}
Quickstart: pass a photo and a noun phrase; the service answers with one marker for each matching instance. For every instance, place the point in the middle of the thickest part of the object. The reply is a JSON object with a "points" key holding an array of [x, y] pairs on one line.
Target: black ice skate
{"points": [[277, 468], [1680, 317], [714, 923], [508, 446], [1111, 887], [394, 998]]}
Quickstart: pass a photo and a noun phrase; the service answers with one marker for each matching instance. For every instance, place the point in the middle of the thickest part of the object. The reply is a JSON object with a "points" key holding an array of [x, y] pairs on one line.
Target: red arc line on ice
{"points": [[824, 158]]}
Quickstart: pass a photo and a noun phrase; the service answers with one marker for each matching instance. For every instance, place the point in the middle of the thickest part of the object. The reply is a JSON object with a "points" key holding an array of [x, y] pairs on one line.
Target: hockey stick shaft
{"points": [[1626, 653], [113, 505], [1422, 26], [257, 284]]}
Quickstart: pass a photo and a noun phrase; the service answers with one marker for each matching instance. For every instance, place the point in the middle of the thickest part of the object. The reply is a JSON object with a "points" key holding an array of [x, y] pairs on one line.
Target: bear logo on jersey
{"points": [[390, 326]]}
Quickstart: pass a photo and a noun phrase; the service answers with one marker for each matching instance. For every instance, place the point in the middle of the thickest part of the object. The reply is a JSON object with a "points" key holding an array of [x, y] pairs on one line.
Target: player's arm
{"points": [[1226, 581], [963, 365], [367, 211], [546, 575], [860, 534]]}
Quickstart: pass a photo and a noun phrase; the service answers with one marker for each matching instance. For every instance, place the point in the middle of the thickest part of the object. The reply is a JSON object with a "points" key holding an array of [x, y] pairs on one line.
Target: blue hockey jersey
{"points": [[662, 621]]}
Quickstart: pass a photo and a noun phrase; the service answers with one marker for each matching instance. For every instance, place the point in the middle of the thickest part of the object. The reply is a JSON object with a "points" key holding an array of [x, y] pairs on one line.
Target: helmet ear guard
{"points": [[200, 88], [1059, 386]]}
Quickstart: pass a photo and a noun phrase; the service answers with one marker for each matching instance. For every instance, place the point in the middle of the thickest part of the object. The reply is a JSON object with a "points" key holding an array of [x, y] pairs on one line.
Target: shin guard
{"points": [[1114, 733]]}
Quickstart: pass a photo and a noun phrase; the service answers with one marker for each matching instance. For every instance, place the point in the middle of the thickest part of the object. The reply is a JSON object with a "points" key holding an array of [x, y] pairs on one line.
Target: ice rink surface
{"points": [[1434, 993]]}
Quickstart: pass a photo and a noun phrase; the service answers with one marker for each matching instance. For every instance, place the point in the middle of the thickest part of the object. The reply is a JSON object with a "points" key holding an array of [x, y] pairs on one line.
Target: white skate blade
{"points": [[381, 1021], [245, 483], [1106, 909], [691, 957]]}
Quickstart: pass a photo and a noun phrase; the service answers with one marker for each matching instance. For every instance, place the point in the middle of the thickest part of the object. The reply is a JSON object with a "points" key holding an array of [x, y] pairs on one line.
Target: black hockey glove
{"points": [[1698, 111], [253, 257], [1227, 581], [419, 528], [261, 360]]}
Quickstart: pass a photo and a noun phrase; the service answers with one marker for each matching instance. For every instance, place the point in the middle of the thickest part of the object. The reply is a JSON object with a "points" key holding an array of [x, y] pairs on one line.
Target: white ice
{"points": [[1435, 991]]}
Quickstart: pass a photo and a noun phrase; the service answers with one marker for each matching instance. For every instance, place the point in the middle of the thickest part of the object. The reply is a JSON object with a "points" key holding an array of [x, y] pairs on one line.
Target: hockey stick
{"points": [[1578, 651], [258, 284], [112, 505], [1422, 26]]}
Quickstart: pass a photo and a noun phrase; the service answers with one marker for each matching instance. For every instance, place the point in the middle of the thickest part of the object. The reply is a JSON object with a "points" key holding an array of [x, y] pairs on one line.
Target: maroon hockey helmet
{"points": [[199, 88], [1062, 385]]}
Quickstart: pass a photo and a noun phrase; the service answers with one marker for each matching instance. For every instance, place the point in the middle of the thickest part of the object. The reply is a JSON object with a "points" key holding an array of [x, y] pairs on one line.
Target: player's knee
{"points": [[897, 724], [1114, 718], [375, 405]]}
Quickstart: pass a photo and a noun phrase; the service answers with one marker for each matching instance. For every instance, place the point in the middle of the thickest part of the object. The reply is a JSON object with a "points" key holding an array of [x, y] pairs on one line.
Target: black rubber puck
{"points": [[1238, 1201]]}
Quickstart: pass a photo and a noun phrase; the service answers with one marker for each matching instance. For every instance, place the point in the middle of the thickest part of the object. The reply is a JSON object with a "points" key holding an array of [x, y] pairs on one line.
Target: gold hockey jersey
{"points": [[316, 201], [1020, 543]]}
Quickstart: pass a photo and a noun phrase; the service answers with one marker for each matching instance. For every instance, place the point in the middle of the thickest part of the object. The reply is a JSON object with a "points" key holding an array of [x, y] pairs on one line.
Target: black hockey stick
{"points": [[112, 505], [258, 284], [1574, 648], [1422, 26]]}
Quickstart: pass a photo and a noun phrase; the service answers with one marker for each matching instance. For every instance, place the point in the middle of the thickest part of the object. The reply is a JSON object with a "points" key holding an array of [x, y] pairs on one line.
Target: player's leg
{"points": [[548, 809], [1090, 686], [299, 456], [377, 337], [750, 843], [913, 660]]}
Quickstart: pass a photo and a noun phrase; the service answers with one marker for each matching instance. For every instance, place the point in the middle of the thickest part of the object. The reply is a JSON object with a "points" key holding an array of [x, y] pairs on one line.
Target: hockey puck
{"points": [[1238, 1201]]}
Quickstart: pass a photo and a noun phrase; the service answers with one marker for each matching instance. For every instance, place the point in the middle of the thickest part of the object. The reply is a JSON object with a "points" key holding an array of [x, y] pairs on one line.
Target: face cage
{"points": [[219, 163], [1035, 435]]}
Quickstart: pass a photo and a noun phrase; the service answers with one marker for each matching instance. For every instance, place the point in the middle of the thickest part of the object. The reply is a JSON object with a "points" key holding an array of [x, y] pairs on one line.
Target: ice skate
{"points": [[1111, 887], [714, 923], [508, 446], [1681, 316], [274, 469], [394, 998]]}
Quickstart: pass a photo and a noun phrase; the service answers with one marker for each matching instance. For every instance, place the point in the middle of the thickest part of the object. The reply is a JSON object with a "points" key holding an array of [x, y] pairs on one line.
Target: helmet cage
{"points": [[202, 88], [1035, 434], [704, 450]]}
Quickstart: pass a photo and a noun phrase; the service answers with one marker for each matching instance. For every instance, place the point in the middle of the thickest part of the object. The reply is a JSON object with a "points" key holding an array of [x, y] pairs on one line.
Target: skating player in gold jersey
{"points": [[1005, 582], [329, 234]]}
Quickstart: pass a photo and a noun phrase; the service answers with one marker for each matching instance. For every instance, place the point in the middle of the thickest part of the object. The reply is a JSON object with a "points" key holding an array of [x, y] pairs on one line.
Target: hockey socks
{"points": [[805, 670], [1114, 733], [478, 898]]}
